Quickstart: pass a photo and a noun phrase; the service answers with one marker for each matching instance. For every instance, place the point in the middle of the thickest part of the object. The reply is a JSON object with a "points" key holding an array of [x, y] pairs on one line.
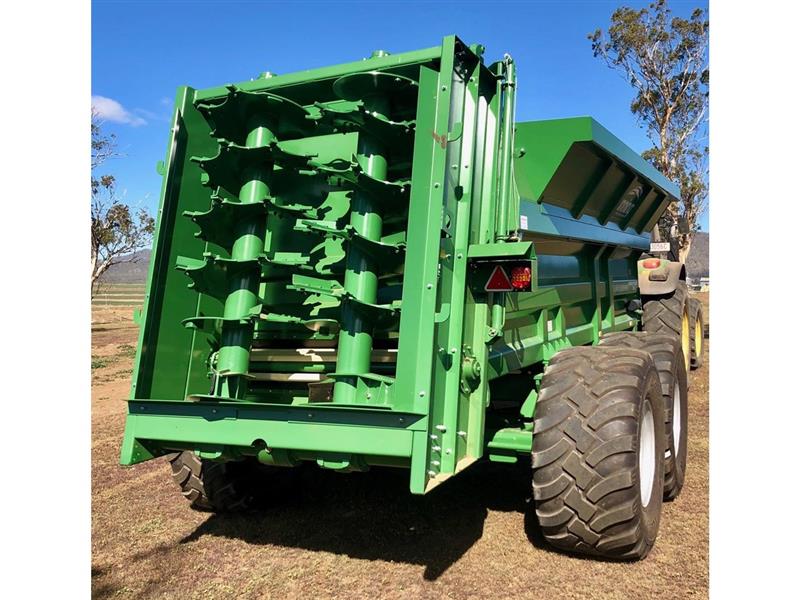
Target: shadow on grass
{"points": [[373, 515]]}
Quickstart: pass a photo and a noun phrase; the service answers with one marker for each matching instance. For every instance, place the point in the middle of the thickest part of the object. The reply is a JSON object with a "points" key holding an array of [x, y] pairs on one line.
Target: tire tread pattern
{"points": [[585, 452], [667, 355], [212, 486], [665, 315], [696, 312]]}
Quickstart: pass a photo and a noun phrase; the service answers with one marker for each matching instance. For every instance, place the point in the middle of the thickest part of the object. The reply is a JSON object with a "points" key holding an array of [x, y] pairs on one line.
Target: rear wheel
{"points": [[218, 486], [670, 314], [668, 358], [696, 333], [598, 452]]}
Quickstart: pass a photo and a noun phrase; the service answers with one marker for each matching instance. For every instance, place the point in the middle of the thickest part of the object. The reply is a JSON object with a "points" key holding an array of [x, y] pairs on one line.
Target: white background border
{"points": [[45, 349]]}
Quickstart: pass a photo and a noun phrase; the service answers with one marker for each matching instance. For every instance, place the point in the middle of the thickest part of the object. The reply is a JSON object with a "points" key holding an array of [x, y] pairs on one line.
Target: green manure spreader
{"points": [[373, 264]]}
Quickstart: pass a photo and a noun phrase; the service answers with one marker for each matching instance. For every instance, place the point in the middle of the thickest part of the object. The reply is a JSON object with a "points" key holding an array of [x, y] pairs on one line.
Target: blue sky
{"points": [[143, 50]]}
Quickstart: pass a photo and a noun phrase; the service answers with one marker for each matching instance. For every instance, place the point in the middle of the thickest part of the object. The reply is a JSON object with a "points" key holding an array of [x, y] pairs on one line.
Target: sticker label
{"points": [[659, 247], [523, 221]]}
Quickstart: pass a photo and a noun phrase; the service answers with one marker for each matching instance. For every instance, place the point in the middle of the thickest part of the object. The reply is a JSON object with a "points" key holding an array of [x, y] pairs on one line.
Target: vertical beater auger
{"points": [[248, 166], [375, 90], [239, 222]]}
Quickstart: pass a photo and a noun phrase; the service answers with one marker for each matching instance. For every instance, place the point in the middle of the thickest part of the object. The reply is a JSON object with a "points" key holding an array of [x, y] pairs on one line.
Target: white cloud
{"points": [[145, 113], [113, 111]]}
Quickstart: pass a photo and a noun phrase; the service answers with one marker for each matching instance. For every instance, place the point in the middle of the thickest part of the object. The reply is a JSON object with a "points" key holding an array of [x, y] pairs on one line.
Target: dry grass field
{"points": [[360, 535]]}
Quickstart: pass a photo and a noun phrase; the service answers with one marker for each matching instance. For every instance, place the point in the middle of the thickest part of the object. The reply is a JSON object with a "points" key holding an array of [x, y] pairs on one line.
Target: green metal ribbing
{"points": [[361, 277], [506, 151], [237, 328], [505, 210]]}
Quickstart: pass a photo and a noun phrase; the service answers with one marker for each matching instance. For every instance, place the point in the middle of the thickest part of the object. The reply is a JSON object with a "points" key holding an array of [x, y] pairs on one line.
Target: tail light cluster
{"points": [[651, 263], [521, 278]]}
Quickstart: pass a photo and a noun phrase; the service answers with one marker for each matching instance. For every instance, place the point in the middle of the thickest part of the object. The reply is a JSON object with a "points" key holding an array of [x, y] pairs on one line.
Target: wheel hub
{"points": [[685, 339], [676, 418], [647, 454], [698, 338]]}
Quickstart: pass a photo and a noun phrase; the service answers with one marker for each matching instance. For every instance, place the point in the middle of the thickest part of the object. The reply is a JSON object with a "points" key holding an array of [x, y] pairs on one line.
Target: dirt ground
{"points": [[360, 535]]}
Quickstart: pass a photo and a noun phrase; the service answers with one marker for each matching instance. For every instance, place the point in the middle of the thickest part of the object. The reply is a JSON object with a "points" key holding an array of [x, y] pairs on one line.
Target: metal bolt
{"points": [[448, 451], [435, 185], [435, 463], [402, 420], [460, 255], [444, 88], [434, 436], [429, 286], [369, 395], [432, 473], [214, 411], [453, 350], [422, 394], [441, 428], [461, 433], [436, 448]]}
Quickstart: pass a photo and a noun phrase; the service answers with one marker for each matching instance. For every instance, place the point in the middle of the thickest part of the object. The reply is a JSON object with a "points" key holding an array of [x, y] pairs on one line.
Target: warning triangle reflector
{"points": [[498, 281]]}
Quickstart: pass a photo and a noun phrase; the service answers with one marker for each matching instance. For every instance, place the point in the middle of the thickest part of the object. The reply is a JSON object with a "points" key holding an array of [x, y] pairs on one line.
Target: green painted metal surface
{"points": [[317, 287]]}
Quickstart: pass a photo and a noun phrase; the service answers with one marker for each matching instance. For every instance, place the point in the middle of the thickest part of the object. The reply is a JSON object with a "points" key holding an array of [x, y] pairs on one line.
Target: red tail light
{"points": [[521, 278], [652, 263]]}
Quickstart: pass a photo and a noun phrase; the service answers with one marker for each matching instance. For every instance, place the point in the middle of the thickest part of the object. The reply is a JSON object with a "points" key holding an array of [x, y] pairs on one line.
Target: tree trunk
{"points": [[656, 234], [97, 272], [686, 246]]}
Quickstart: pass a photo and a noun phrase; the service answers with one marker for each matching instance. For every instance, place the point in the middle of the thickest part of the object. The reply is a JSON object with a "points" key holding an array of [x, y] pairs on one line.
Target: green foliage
{"points": [[98, 362], [117, 230], [103, 146], [665, 59], [127, 351]]}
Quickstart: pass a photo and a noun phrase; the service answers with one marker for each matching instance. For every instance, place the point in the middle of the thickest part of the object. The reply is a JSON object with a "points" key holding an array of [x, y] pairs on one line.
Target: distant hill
{"points": [[134, 270], [697, 261]]}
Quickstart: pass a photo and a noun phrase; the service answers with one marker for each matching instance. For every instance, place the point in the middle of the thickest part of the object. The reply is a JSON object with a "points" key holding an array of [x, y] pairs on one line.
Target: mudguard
{"points": [[661, 280]]}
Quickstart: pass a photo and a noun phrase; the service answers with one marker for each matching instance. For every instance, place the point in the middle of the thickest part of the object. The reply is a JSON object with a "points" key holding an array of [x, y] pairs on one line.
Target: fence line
{"points": [[119, 294]]}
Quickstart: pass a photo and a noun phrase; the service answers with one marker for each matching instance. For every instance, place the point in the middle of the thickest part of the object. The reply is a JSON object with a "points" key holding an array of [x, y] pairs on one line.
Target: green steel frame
{"points": [[336, 226]]}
